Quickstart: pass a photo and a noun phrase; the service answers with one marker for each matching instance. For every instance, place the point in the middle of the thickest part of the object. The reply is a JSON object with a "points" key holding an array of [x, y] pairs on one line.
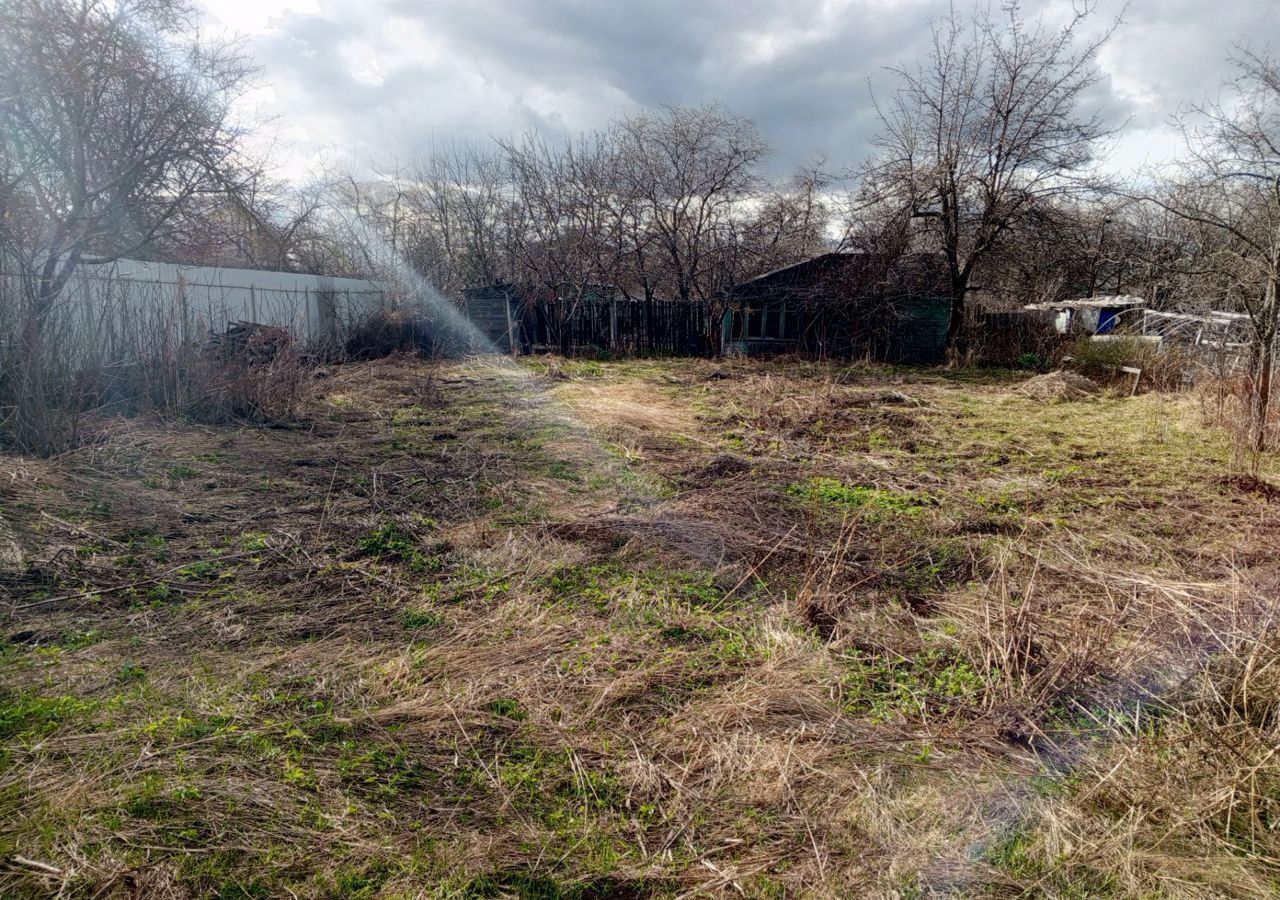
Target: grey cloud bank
{"points": [[378, 79]]}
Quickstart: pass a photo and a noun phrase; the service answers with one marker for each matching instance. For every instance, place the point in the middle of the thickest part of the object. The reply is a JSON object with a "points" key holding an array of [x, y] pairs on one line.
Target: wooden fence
{"points": [[592, 324]]}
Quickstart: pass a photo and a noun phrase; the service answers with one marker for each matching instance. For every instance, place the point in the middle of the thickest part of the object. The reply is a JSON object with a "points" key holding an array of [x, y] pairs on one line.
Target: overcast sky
{"points": [[381, 78]]}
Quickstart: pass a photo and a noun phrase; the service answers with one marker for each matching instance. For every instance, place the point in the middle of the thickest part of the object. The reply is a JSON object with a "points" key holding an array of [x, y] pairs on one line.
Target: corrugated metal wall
{"points": [[108, 309]]}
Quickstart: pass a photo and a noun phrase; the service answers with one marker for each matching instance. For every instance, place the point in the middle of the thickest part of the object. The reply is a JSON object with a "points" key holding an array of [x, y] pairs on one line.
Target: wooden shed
{"points": [[844, 305]]}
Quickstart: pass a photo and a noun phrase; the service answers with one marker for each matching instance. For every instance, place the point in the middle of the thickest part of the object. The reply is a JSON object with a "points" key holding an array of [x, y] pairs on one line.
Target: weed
{"points": [[507, 708], [25, 715], [163, 593], [856, 497], [559, 469], [151, 800], [205, 569], [359, 883], [130, 671], [885, 688], [391, 541], [253, 541], [387, 773], [414, 619]]}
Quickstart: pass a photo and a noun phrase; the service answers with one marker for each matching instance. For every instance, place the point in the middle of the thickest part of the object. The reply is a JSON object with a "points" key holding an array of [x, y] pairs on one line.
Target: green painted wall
{"points": [[920, 333]]}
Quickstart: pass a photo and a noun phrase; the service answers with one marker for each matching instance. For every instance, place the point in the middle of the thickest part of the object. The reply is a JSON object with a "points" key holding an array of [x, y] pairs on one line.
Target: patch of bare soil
{"points": [[1252, 484]]}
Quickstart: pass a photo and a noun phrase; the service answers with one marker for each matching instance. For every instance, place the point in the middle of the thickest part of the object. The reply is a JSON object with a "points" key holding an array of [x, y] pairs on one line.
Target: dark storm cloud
{"points": [[389, 76]]}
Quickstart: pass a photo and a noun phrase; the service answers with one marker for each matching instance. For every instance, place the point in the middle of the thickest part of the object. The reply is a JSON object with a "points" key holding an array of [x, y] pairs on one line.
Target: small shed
{"points": [[843, 304], [1092, 315]]}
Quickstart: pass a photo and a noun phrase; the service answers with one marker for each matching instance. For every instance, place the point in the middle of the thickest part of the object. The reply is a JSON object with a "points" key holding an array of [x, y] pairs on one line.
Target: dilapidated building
{"points": [[844, 305], [838, 304]]}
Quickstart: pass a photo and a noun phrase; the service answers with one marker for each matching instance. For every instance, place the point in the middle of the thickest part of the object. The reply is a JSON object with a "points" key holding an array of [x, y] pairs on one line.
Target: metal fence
{"points": [[107, 311]]}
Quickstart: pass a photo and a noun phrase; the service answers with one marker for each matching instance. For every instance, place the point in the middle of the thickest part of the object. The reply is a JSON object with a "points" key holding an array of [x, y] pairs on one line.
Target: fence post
{"points": [[180, 292], [511, 338]]}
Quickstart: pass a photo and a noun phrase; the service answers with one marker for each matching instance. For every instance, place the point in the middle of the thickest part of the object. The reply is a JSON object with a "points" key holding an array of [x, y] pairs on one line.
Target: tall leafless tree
{"points": [[986, 129], [1229, 197], [689, 171], [790, 222], [113, 122]]}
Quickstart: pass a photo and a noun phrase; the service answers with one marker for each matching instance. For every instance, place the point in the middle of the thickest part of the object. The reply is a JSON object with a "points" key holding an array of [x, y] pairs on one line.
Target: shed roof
{"points": [[821, 261], [1110, 301], [847, 272]]}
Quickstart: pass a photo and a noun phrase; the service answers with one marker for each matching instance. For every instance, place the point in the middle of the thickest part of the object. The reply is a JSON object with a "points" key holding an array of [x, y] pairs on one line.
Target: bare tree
{"points": [[689, 171], [115, 124], [658, 205], [568, 216], [1079, 246], [789, 223], [112, 123], [458, 198], [1229, 197], [988, 128]]}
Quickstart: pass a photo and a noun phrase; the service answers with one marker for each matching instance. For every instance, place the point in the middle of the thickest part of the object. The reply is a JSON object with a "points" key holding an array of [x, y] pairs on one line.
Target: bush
{"points": [[1014, 340], [1163, 368], [408, 330], [250, 373], [1227, 402], [1033, 361], [390, 331]]}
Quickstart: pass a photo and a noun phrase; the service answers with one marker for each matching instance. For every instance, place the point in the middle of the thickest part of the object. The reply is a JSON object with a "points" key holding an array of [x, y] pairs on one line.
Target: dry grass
{"points": [[641, 629]]}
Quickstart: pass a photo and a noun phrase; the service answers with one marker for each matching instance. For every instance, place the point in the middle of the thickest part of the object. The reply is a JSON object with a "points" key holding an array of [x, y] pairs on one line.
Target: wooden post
{"points": [[180, 290], [511, 340], [1137, 376], [613, 323]]}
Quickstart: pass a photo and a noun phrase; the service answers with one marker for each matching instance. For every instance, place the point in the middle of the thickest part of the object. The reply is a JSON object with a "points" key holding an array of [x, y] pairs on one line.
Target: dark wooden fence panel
{"points": [[667, 327]]}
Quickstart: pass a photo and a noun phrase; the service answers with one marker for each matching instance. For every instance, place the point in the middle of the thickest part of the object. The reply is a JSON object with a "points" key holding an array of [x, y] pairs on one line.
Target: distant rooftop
{"points": [[819, 260], [1110, 301]]}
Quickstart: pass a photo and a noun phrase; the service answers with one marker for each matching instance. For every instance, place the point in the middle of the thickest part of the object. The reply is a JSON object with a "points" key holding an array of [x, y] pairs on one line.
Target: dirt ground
{"points": [[643, 629]]}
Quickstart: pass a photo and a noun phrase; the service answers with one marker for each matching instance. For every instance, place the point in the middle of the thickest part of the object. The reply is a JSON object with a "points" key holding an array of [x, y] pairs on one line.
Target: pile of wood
{"points": [[249, 342]]}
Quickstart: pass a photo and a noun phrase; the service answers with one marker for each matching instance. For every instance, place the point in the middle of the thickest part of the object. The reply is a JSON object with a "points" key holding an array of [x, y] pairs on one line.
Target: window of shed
{"points": [[762, 321], [773, 321], [791, 323]]}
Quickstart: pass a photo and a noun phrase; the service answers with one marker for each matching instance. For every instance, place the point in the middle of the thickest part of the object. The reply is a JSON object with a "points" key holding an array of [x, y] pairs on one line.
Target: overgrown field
{"points": [[643, 629]]}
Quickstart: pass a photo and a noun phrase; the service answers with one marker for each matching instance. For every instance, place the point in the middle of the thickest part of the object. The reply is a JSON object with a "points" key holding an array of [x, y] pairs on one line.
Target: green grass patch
{"points": [[394, 542], [414, 619], [887, 688], [832, 492], [33, 715]]}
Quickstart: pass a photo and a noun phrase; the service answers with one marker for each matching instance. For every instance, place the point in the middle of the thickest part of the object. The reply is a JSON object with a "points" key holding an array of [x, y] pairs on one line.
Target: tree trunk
{"points": [[955, 326], [1262, 398], [1265, 372]]}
